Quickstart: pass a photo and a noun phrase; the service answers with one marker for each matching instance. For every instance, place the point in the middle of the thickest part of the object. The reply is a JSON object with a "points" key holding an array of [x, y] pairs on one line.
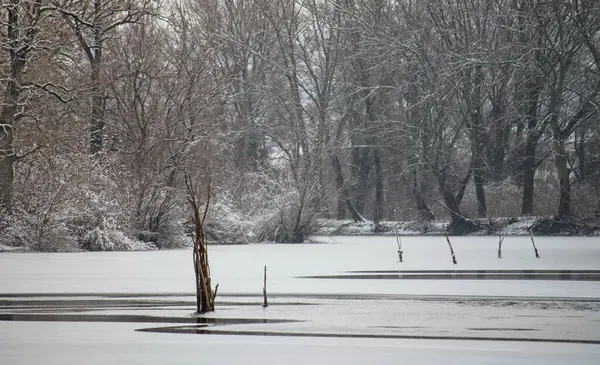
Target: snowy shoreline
{"points": [[523, 226]]}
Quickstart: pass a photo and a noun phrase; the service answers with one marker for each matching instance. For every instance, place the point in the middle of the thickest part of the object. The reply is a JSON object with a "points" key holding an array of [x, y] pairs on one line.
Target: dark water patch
{"points": [[537, 305], [465, 276], [7, 304], [98, 295], [4, 304], [500, 271], [205, 330], [30, 317], [529, 316], [66, 310], [503, 329], [315, 296]]}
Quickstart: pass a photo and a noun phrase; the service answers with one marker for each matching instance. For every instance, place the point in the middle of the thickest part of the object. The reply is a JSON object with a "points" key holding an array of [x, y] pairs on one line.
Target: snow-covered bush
{"points": [[226, 223], [109, 239], [159, 218], [293, 220], [37, 232], [239, 206], [60, 199], [585, 200]]}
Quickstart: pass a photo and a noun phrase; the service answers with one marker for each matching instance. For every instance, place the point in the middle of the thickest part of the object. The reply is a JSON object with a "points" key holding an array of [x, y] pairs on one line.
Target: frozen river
{"points": [[239, 269], [101, 344], [347, 301]]}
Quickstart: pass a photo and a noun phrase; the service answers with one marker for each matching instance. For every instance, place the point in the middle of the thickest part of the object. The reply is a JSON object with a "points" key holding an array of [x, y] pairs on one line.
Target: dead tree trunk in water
{"points": [[205, 297]]}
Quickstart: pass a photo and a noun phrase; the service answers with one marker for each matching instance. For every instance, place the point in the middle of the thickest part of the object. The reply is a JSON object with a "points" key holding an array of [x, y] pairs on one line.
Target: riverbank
{"points": [[520, 226], [514, 226]]}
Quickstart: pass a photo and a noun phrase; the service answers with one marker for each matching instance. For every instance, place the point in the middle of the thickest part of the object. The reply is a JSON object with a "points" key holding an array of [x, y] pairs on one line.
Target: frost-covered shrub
{"points": [[17, 230], [74, 189], [159, 220], [148, 237], [97, 194], [62, 200], [227, 224], [546, 193], [240, 206], [173, 236], [41, 231], [503, 199], [292, 222], [585, 200], [112, 240]]}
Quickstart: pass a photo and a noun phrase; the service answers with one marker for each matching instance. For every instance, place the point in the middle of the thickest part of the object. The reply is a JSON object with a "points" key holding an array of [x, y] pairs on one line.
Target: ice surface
{"points": [[117, 343], [447, 308], [240, 268]]}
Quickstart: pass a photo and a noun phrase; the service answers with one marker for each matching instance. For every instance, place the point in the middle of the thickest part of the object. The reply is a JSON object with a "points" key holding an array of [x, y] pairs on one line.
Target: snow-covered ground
{"points": [[381, 312]]}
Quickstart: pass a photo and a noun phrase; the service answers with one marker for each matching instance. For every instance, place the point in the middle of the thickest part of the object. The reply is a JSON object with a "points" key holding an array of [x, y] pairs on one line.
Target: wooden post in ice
{"points": [[537, 255], [265, 302], [451, 249], [399, 242]]}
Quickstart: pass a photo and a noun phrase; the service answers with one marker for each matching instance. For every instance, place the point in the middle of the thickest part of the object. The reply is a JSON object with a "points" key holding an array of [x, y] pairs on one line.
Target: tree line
{"points": [[294, 110]]}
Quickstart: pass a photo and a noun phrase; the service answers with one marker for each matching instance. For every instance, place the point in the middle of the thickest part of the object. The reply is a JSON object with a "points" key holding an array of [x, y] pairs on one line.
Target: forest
{"points": [[292, 111]]}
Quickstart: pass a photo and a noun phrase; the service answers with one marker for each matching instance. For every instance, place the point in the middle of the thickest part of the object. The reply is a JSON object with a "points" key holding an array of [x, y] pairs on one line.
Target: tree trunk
{"points": [[534, 132], [452, 206], [97, 117], [345, 196], [564, 204], [341, 196], [477, 136], [500, 128], [497, 147], [528, 88], [362, 168], [7, 155], [452, 201], [479, 192], [94, 54], [298, 111], [580, 150], [424, 212], [559, 136], [378, 205], [528, 177], [10, 100]]}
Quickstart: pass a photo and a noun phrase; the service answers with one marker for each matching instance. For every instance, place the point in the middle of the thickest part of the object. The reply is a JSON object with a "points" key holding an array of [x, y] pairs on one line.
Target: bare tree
{"points": [[21, 29], [94, 23]]}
